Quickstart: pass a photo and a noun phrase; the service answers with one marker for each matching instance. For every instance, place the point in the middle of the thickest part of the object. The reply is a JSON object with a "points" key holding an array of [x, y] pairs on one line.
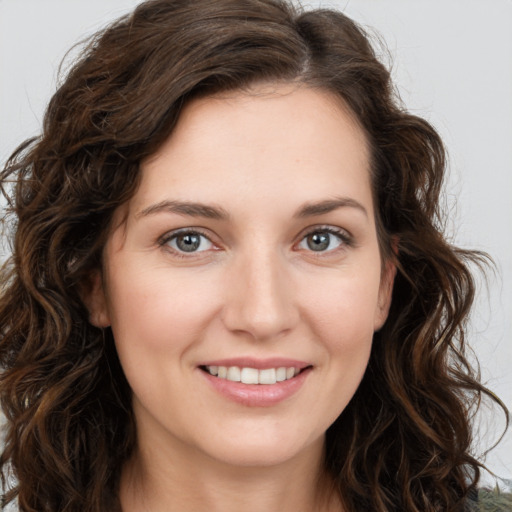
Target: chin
{"points": [[262, 450]]}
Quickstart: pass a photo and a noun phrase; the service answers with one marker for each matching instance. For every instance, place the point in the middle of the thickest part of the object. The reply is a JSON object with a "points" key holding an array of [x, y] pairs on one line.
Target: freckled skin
{"points": [[255, 289]]}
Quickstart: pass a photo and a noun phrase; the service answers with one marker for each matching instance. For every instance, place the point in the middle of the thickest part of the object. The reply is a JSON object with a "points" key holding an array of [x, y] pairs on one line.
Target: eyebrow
{"points": [[329, 205], [193, 209], [186, 208]]}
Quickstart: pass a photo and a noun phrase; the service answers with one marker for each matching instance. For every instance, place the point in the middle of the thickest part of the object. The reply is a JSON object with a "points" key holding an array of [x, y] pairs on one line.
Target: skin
{"points": [[255, 288]]}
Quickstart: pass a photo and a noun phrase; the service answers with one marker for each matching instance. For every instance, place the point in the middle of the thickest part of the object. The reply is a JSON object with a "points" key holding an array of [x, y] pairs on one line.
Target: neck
{"points": [[187, 481]]}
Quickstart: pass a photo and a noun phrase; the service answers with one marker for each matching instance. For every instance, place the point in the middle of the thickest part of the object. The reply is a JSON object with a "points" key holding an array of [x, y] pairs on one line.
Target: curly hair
{"points": [[403, 442]]}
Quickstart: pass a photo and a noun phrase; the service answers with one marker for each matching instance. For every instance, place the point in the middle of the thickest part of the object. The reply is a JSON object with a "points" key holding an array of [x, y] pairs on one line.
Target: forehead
{"points": [[275, 142]]}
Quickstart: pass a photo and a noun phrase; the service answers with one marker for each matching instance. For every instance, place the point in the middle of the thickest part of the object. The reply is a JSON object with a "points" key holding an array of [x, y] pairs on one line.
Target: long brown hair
{"points": [[403, 443]]}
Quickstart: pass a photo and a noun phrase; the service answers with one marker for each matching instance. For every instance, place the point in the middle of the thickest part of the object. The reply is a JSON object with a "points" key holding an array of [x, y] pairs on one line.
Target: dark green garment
{"points": [[490, 500]]}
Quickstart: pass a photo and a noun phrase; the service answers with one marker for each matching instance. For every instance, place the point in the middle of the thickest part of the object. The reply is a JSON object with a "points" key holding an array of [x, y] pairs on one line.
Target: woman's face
{"points": [[250, 252]]}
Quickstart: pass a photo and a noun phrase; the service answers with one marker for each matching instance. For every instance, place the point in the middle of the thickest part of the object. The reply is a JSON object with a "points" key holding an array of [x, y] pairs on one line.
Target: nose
{"points": [[260, 299]]}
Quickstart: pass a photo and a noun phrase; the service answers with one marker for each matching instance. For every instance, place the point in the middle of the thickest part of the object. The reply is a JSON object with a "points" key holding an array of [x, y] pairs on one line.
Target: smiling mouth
{"points": [[247, 375]]}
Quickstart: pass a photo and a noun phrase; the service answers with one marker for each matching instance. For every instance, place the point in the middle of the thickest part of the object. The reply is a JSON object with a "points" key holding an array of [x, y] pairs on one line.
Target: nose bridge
{"points": [[262, 304]]}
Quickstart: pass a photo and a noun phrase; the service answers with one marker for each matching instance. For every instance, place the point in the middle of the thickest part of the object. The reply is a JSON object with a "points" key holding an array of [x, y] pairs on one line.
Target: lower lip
{"points": [[257, 395]]}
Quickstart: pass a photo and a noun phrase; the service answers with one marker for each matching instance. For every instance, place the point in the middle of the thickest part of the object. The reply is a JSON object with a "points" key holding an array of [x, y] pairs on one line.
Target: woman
{"points": [[229, 287]]}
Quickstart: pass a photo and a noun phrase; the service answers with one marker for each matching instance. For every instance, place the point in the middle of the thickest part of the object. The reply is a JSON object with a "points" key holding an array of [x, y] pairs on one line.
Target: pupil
{"points": [[318, 241], [188, 243]]}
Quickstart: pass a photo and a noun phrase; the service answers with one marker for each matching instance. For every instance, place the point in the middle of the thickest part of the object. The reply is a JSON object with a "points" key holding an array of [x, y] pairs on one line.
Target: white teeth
{"points": [[233, 374], [280, 374], [267, 376], [253, 375], [249, 376]]}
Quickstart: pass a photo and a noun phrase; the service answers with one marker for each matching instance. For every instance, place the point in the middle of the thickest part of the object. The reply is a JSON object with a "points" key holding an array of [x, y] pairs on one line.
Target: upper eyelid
{"points": [[169, 235], [164, 242], [346, 238], [344, 233]]}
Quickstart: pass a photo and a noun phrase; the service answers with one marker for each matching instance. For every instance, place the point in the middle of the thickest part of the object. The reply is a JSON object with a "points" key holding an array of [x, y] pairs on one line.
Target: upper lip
{"points": [[259, 364]]}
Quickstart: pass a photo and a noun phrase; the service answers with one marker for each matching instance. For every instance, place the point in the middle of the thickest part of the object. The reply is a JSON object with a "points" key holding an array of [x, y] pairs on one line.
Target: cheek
{"points": [[342, 309], [341, 316], [160, 310], [157, 319]]}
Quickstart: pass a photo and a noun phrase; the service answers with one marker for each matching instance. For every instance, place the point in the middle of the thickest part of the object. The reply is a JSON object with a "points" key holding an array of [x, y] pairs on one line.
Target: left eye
{"points": [[189, 241], [321, 241]]}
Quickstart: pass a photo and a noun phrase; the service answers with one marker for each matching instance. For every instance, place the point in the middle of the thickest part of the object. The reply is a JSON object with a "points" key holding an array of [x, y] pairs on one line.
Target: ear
{"points": [[385, 293], [93, 296]]}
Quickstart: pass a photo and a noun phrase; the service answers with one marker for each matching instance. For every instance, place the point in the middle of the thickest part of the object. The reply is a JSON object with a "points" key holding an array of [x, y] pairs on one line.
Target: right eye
{"points": [[187, 242]]}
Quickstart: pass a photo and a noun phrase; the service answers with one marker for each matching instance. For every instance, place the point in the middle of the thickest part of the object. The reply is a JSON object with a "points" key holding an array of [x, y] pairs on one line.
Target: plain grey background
{"points": [[452, 62]]}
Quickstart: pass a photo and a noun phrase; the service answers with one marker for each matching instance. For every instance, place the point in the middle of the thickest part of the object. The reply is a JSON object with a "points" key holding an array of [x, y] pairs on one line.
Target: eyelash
{"points": [[168, 237], [345, 238]]}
